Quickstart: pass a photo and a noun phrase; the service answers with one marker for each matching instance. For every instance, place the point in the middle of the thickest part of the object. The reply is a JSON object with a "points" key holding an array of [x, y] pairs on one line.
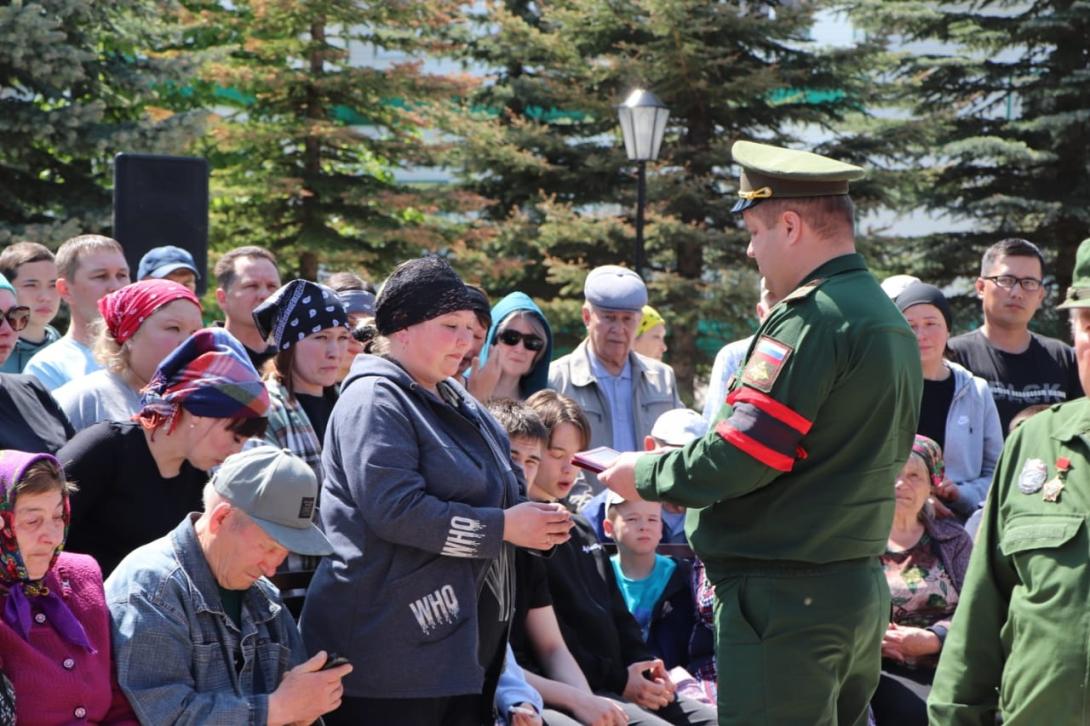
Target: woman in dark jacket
{"points": [[422, 504]]}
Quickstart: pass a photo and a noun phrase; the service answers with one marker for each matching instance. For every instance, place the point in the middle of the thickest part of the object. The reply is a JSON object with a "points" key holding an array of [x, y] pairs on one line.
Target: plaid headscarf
{"points": [[931, 453], [13, 573], [208, 375], [125, 310]]}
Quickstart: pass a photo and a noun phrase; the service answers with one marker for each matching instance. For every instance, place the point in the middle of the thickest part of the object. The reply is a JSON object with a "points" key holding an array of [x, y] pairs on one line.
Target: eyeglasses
{"points": [[1009, 282], [18, 317], [529, 340]]}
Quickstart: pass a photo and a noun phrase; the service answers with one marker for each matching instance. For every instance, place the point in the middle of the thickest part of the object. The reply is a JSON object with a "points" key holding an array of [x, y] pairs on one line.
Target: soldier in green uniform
{"points": [[791, 495], [1019, 645]]}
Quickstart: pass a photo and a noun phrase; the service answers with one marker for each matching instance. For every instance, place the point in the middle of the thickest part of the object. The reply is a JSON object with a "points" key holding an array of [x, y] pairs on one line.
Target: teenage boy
{"points": [[89, 267], [572, 630], [32, 271], [525, 431], [1022, 368], [655, 587]]}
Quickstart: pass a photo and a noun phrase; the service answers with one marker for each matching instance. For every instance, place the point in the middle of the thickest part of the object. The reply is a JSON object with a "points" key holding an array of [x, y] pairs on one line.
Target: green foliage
{"points": [[307, 132], [78, 84], [999, 105], [541, 143]]}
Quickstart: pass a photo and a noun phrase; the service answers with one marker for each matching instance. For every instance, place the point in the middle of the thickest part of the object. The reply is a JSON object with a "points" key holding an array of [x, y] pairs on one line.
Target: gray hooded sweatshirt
{"points": [[413, 498]]}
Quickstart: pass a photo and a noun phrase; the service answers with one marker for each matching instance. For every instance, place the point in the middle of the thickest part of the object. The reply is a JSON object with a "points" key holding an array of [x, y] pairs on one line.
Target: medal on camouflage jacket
{"points": [[1053, 488], [1034, 473]]}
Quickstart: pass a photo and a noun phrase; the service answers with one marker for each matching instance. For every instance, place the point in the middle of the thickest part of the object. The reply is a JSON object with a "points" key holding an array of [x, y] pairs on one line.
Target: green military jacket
{"points": [[801, 464], [1019, 644]]}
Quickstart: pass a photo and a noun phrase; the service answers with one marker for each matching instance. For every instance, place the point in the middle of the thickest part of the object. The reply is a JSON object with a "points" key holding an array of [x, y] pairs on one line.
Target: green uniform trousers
{"points": [[800, 645]]}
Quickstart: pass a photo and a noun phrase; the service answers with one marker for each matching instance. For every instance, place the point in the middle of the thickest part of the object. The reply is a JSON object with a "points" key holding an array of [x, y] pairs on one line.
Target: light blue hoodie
{"points": [[538, 377]]}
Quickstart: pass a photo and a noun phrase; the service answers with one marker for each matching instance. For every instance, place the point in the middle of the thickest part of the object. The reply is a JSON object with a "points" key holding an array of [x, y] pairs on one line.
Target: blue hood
{"points": [[538, 377]]}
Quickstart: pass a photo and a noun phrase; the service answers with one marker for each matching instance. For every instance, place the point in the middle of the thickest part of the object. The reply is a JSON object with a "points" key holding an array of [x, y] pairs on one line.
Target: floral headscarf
{"points": [[14, 578], [931, 453]]}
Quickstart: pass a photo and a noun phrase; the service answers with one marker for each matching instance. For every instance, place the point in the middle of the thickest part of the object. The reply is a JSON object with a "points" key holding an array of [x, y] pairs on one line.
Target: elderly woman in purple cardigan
{"points": [[925, 563], [54, 625]]}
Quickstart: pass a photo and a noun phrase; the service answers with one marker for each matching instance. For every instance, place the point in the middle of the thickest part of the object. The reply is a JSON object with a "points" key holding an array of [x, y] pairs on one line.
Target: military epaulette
{"points": [[803, 291]]}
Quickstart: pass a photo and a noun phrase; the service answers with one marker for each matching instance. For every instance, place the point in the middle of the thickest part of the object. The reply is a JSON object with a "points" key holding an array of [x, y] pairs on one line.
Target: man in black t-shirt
{"points": [[1022, 368]]}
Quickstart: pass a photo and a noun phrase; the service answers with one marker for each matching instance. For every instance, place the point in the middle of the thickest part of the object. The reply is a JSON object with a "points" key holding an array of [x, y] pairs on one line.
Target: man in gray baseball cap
{"points": [[621, 391], [200, 635]]}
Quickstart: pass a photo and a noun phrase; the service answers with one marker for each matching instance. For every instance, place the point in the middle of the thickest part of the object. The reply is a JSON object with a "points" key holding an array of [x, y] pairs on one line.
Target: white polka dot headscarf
{"points": [[298, 309]]}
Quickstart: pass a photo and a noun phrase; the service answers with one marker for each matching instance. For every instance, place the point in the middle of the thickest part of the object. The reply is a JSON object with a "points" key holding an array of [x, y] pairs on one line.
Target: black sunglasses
{"points": [[529, 340], [18, 317]]}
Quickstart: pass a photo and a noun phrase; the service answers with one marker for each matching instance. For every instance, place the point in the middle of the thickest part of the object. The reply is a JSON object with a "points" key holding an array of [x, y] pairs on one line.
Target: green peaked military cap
{"points": [[772, 172], [1078, 295]]}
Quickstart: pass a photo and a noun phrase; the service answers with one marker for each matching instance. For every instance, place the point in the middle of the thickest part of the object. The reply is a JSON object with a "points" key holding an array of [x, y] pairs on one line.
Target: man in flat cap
{"points": [[1017, 650], [623, 393], [790, 493], [199, 634]]}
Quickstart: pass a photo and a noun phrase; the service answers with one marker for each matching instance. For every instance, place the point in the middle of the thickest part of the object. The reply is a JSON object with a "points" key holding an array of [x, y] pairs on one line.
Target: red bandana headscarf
{"points": [[125, 310]]}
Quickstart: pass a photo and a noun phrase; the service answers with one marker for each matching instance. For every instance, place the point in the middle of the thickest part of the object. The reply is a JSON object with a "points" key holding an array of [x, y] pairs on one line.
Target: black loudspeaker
{"points": [[162, 200]]}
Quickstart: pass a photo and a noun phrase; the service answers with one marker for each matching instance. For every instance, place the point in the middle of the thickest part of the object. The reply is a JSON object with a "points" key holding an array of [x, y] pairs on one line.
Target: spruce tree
{"points": [[541, 143], [998, 95], [78, 83], [309, 127]]}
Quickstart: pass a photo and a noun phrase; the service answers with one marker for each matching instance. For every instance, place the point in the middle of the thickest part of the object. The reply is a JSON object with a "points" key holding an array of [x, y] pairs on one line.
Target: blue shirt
{"points": [[63, 361], [618, 393], [641, 596]]}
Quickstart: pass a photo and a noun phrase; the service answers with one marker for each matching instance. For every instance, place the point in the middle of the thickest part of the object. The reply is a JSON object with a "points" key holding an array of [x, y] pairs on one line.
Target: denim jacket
{"points": [[180, 658]]}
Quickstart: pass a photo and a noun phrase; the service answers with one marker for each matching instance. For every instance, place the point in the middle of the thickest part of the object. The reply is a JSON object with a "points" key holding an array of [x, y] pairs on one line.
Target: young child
{"points": [[672, 430], [31, 270], [615, 667], [655, 587]]}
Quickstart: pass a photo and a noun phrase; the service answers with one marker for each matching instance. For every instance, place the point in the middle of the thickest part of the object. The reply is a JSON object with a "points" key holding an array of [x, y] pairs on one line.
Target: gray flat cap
{"points": [[612, 287]]}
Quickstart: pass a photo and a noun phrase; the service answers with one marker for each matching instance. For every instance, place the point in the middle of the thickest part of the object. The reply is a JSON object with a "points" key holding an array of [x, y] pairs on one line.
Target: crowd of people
{"points": [[408, 459]]}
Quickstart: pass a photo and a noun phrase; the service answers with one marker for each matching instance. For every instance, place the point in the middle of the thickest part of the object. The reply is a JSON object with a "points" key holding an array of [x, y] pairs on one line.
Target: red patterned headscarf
{"points": [[125, 310]]}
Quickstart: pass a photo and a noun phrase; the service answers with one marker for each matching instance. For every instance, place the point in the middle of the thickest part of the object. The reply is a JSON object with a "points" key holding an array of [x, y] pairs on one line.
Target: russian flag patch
{"points": [[765, 363]]}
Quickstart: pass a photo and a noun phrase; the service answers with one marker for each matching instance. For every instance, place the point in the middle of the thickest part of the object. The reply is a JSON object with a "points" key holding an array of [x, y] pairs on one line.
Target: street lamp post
{"points": [[643, 120]]}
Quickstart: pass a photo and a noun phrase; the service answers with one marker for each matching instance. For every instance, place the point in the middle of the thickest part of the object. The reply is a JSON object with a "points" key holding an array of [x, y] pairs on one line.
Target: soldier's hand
{"points": [[621, 475], [652, 693]]}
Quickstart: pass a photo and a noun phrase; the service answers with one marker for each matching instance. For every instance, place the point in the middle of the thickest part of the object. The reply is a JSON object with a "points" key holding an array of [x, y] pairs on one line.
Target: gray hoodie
{"points": [[412, 500]]}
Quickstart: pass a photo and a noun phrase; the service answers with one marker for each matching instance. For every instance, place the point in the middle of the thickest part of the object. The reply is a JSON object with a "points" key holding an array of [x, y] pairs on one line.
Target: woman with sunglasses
{"points": [[30, 420], [522, 341]]}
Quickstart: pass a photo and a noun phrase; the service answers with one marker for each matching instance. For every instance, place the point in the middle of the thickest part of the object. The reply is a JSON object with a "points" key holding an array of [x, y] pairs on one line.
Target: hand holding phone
{"points": [[333, 660]]}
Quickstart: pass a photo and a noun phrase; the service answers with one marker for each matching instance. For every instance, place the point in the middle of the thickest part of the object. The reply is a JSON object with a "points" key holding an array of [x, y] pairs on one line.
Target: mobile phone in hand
{"points": [[596, 460], [333, 660]]}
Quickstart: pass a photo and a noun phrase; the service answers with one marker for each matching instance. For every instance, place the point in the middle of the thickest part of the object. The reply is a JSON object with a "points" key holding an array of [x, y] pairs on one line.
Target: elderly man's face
{"points": [[1080, 331], [240, 552], [611, 333]]}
